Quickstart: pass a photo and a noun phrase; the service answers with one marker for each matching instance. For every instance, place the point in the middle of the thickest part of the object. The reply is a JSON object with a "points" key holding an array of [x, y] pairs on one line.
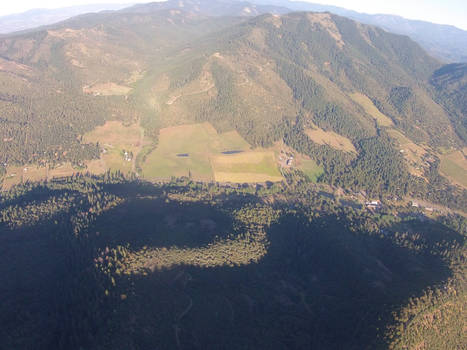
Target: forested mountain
{"points": [[448, 43], [445, 42], [271, 78], [43, 75], [364, 251], [450, 82], [210, 8]]}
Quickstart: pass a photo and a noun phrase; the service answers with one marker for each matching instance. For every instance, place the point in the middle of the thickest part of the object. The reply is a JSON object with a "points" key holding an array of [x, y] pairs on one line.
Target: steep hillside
{"points": [[320, 59], [450, 83], [275, 78], [271, 78], [333, 57], [71, 66], [445, 42]]}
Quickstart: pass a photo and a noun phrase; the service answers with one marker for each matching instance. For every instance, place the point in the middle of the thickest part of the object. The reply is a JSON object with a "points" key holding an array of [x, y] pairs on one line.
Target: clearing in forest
{"points": [[413, 153], [454, 167], [121, 144], [309, 167], [17, 174], [62, 170], [371, 109], [197, 150], [107, 89], [330, 138]]}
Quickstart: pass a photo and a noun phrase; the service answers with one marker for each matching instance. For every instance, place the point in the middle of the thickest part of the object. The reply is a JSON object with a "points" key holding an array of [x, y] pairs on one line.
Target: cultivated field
{"points": [[186, 149], [255, 166], [331, 139], [197, 150], [114, 133], [371, 109], [15, 175], [454, 167], [96, 166]]}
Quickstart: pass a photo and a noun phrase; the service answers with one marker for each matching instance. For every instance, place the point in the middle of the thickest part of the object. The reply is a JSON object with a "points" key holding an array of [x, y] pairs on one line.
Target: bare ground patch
{"points": [[331, 139], [324, 19], [371, 109], [107, 89]]}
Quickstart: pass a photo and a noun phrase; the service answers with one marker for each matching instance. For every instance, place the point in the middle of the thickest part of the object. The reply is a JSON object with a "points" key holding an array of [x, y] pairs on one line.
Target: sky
{"points": [[452, 12]]}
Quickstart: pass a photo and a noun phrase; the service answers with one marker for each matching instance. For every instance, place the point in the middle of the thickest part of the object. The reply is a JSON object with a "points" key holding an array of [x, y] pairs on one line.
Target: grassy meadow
{"points": [[371, 109], [17, 174], [255, 166], [196, 150], [330, 138], [454, 167], [115, 138], [312, 170]]}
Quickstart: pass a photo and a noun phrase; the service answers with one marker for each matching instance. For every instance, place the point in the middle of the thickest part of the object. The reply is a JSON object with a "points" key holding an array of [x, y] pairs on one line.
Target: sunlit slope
{"points": [[255, 75], [270, 78], [61, 81]]}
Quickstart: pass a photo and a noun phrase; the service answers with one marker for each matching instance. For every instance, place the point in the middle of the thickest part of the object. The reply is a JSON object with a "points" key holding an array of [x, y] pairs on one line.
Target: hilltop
{"points": [[442, 41]]}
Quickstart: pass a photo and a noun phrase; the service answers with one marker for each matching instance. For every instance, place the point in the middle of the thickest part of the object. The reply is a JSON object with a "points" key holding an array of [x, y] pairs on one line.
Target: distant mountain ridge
{"points": [[211, 8], [39, 17], [444, 42]]}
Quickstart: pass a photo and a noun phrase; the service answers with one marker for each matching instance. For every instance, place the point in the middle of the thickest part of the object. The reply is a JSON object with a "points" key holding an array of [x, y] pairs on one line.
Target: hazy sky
{"points": [[439, 11]]}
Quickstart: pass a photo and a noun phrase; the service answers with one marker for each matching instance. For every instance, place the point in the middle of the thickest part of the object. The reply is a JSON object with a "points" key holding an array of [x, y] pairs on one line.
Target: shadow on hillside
{"points": [[320, 286], [155, 223]]}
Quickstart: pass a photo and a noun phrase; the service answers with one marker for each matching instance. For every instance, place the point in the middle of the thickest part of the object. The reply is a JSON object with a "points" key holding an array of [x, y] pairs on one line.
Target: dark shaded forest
{"points": [[109, 263]]}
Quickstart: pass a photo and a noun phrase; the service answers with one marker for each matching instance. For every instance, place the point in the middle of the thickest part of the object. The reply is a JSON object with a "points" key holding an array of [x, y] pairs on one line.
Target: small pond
{"points": [[232, 152]]}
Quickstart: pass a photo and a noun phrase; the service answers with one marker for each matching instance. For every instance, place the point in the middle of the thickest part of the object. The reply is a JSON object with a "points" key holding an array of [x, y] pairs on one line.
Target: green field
{"points": [[255, 166], [196, 150], [454, 166], [312, 170]]}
